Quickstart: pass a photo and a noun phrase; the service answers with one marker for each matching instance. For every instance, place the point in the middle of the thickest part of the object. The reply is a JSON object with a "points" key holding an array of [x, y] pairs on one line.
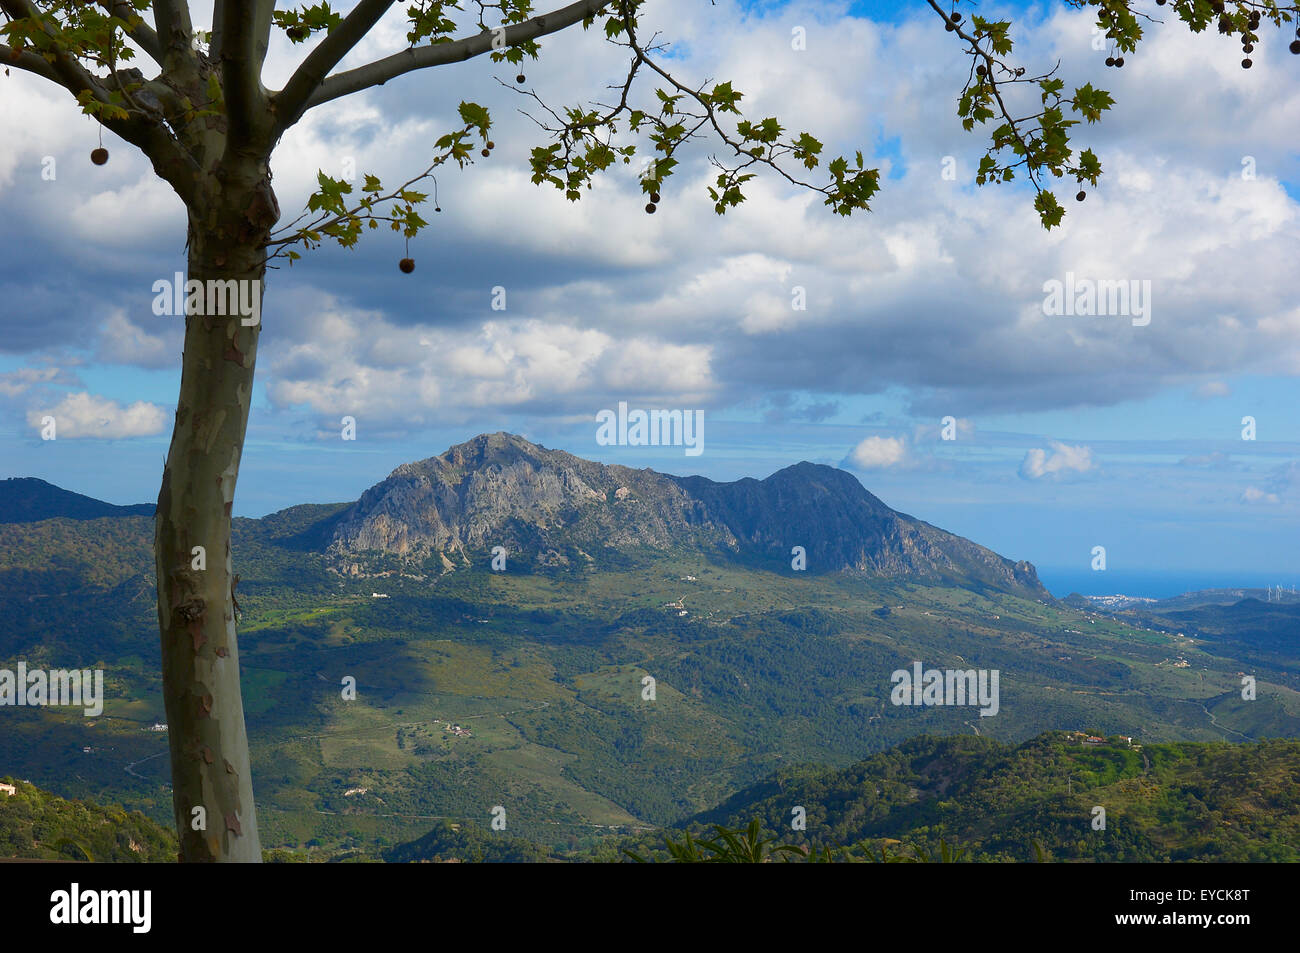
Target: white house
{"points": [[8, 789]]}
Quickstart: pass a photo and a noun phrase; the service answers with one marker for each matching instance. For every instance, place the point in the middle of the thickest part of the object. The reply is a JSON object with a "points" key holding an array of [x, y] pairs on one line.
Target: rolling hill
{"points": [[38, 825], [1040, 800], [527, 688], [29, 500]]}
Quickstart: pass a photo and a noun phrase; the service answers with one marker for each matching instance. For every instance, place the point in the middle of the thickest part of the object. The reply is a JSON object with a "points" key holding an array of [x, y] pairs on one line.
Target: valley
{"points": [[524, 689]]}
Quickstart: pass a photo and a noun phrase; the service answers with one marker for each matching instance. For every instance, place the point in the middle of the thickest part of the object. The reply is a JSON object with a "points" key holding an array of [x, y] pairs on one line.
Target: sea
{"points": [[1157, 584]]}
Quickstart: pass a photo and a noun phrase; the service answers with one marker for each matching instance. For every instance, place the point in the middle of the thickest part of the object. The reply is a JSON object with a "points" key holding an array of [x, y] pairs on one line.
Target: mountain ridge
{"points": [[30, 500], [557, 509], [756, 667], [503, 490]]}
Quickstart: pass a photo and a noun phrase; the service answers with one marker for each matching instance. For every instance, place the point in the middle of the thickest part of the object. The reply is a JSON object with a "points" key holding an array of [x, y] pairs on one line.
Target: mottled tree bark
{"points": [[196, 613]]}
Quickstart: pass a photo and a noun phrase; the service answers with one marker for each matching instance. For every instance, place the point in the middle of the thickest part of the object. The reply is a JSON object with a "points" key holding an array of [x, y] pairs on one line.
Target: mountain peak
{"points": [[487, 444], [486, 449], [500, 489]]}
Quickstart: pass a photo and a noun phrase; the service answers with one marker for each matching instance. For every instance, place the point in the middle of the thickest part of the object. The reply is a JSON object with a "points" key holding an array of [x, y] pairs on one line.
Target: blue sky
{"points": [[1074, 431]]}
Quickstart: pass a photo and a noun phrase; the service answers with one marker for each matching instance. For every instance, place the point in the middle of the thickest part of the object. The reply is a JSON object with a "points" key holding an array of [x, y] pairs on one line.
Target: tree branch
{"points": [[172, 163], [69, 72], [29, 61], [1015, 74], [381, 71], [171, 19], [143, 36], [234, 45], [262, 24], [291, 102]]}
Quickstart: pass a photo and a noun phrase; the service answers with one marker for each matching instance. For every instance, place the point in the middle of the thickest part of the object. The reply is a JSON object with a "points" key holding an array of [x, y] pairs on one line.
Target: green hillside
{"points": [[452, 843], [28, 500], [524, 688], [38, 825], [1163, 802]]}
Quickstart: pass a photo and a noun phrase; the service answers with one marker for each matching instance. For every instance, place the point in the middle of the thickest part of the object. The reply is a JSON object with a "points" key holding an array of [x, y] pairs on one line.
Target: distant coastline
{"points": [[1160, 584]]}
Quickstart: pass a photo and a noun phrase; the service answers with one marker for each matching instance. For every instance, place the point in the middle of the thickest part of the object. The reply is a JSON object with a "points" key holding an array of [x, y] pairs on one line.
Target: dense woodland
{"points": [[35, 824], [984, 800]]}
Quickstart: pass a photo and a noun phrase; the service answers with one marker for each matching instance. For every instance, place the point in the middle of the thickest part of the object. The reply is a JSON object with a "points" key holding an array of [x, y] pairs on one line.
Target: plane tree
{"points": [[201, 114]]}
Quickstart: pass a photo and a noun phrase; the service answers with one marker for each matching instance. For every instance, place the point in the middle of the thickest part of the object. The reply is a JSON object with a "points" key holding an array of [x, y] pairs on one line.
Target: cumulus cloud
{"points": [[88, 415], [123, 342], [1061, 460], [936, 293], [407, 377], [1255, 495], [880, 453], [18, 382]]}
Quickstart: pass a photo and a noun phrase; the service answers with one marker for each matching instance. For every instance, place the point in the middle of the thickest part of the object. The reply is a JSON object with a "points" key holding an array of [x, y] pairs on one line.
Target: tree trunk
{"points": [[212, 790]]}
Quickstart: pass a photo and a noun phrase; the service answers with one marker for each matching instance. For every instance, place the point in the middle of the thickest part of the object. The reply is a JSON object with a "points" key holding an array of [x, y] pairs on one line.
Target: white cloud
{"points": [[1213, 389], [139, 210], [936, 292], [880, 453], [1256, 495], [87, 415], [24, 379], [1063, 459], [424, 374], [765, 312], [122, 342]]}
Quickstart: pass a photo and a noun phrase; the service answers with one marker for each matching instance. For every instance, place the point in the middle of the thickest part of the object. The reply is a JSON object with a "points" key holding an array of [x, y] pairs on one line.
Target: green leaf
{"points": [[475, 115]]}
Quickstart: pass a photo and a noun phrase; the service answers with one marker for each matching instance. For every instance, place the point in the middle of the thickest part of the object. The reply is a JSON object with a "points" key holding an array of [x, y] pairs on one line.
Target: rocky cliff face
{"points": [[842, 526], [501, 490]]}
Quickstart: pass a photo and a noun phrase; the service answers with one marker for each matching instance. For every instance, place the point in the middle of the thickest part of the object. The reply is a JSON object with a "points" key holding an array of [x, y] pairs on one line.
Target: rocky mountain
{"points": [[757, 667], [501, 490]]}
